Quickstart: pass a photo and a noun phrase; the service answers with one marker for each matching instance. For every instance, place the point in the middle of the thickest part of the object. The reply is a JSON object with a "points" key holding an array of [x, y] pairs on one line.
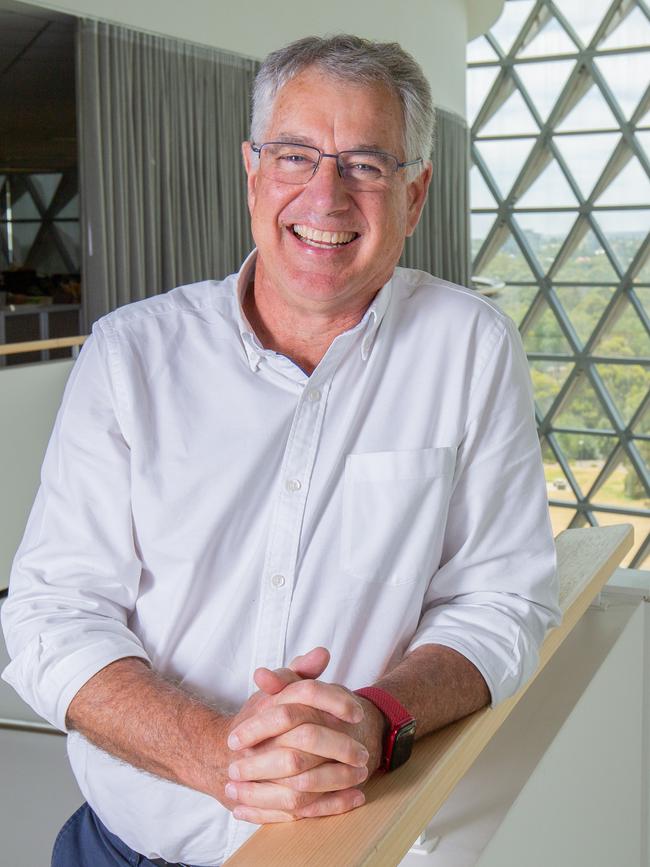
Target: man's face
{"points": [[331, 278]]}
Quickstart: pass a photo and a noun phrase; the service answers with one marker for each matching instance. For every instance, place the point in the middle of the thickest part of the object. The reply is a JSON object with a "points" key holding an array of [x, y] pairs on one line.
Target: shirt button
{"points": [[293, 485], [278, 580], [313, 395]]}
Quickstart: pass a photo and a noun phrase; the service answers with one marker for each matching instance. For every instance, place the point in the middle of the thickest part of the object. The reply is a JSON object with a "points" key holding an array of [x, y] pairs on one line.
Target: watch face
{"points": [[402, 745]]}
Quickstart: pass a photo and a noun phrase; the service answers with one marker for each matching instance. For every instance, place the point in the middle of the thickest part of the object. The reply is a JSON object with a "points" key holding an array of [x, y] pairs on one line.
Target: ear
{"points": [[251, 163], [416, 192]]}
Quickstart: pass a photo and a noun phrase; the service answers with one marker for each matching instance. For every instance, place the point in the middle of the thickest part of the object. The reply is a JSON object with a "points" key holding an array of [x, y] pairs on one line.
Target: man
{"points": [[321, 459]]}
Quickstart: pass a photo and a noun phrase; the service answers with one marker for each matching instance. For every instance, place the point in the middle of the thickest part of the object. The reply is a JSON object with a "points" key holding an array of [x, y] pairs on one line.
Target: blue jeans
{"points": [[85, 842]]}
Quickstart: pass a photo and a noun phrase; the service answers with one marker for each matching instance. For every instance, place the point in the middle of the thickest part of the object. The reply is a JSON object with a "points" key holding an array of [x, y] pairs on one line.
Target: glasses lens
{"points": [[367, 169], [289, 163]]}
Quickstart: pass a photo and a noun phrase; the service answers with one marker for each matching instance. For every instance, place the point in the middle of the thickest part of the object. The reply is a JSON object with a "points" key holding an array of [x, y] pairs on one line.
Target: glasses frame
{"points": [[257, 149]]}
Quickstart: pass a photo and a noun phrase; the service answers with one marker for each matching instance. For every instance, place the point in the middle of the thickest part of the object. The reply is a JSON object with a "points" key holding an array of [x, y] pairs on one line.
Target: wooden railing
{"points": [[42, 345], [400, 805]]}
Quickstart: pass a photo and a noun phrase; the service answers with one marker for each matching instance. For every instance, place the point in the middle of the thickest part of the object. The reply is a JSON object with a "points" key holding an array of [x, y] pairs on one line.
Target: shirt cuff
{"points": [[49, 685]]}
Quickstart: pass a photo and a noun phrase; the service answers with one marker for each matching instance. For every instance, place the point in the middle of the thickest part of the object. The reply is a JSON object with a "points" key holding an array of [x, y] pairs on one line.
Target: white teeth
{"points": [[323, 238]]}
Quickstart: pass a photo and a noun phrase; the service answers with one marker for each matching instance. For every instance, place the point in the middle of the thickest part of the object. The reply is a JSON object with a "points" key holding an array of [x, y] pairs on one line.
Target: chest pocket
{"points": [[394, 513]]}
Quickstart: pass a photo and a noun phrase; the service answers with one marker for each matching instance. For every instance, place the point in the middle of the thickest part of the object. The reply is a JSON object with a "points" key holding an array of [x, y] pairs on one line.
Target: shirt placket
{"points": [[286, 523]]}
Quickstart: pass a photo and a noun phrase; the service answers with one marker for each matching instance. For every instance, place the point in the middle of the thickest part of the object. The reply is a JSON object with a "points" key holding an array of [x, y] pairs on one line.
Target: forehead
{"points": [[332, 112]]}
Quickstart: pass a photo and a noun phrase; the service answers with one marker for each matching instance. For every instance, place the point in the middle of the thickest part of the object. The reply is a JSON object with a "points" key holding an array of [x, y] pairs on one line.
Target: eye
{"points": [[296, 159], [365, 168]]}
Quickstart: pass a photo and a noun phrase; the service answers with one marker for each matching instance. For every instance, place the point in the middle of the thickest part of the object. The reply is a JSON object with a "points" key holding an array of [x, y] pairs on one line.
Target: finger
{"points": [[328, 697], [269, 796], [300, 727], [310, 665], [272, 764], [273, 682], [326, 777], [330, 804], [324, 742]]}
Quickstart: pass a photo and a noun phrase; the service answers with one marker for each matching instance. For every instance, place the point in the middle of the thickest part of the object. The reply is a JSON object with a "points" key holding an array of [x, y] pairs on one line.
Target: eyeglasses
{"points": [[362, 171]]}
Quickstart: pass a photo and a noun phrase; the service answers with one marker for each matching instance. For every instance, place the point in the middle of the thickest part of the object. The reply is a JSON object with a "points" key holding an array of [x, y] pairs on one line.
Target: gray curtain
{"points": [[162, 187], [440, 244]]}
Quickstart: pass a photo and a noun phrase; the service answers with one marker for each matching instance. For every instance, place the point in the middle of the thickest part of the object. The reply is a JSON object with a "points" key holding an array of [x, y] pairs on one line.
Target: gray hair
{"points": [[351, 58]]}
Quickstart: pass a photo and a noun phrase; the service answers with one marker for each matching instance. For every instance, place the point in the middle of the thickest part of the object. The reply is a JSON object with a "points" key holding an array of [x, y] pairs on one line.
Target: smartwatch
{"points": [[399, 734]]}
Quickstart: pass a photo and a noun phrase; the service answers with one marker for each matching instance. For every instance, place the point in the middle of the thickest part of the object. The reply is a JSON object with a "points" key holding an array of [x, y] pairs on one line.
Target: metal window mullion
{"points": [[559, 159], [565, 323], [640, 110], [596, 359], [641, 553], [561, 398], [502, 87], [567, 26], [603, 240], [640, 312], [607, 26], [538, 18], [619, 158], [576, 86], [565, 467], [532, 314], [610, 99], [573, 239], [618, 424], [484, 170], [522, 241], [638, 463], [639, 259], [491, 245], [618, 510], [532, 108], [585, 431], [609, 316], [637, 416], [611, 462], [536, 161]]}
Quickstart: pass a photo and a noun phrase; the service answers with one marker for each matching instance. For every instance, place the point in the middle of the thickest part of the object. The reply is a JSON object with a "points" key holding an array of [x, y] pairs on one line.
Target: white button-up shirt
{"points": [[209, 507]]}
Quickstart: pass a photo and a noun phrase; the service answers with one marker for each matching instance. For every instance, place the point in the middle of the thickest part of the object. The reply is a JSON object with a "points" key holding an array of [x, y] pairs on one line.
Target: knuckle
{"points": [[306, 735], [293, 800], [283, 715], [304, 782], [310, 689], [294, 763]]}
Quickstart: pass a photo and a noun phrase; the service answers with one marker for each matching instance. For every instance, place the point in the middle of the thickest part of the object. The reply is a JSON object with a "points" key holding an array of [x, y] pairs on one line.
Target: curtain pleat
{"points": [[440, 244], [162, 185], [163, 192]]}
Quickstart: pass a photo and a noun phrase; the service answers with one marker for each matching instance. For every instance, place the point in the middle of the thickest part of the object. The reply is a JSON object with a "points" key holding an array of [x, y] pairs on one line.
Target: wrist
{"points": [[375, 730], [399, 726]]}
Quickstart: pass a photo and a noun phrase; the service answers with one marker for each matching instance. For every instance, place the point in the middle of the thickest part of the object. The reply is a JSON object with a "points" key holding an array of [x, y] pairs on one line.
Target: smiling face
{"points": [[323, 248]]}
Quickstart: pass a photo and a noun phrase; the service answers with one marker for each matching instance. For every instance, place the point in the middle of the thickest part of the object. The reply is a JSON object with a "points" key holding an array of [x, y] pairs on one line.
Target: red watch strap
{"points": [[395, 712]]}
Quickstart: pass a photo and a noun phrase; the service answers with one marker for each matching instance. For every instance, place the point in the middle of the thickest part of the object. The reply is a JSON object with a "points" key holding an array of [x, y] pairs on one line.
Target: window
{"points": [[559, 103]]}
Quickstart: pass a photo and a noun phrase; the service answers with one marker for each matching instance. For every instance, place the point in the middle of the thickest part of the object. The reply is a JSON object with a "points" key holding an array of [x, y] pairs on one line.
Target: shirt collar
{"points": [[368, 325]]}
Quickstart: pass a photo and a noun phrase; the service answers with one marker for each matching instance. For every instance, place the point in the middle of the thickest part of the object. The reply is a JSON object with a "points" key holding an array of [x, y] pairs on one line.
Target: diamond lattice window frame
{"points": [[572, 365]]}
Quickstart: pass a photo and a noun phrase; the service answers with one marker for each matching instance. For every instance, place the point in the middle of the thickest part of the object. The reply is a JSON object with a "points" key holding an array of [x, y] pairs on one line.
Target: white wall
{"points": [[30, 395], [434, 31]]}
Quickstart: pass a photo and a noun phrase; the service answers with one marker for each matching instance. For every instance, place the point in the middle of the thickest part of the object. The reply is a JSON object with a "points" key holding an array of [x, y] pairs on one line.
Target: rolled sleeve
{"points": [[76, 574], [495, 594]]}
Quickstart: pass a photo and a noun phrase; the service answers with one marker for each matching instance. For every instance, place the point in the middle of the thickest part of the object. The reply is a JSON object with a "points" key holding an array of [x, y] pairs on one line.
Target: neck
{"points": [[304, 336]]}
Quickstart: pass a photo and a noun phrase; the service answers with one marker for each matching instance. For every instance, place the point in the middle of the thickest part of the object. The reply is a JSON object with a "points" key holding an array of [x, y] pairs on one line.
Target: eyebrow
{"points": [[301, 139]]}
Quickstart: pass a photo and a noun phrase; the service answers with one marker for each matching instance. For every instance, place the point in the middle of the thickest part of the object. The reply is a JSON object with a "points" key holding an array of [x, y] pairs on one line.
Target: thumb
{"points": [[308, 666]]}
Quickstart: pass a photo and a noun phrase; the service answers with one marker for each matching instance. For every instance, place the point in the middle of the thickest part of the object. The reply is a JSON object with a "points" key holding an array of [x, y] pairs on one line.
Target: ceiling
{"points": [[37, 88]]}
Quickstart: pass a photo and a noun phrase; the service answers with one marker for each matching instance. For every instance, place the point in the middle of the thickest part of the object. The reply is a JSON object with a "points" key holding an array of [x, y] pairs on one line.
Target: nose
{"points": [[326, 189]]}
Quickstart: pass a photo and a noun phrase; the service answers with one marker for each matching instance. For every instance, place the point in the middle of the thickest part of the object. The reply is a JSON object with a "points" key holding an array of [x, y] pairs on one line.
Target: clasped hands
{"points": [[300, 747]]}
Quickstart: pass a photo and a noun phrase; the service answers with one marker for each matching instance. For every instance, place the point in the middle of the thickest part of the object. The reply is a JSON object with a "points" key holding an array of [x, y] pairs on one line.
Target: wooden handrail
{"points": [[41, 345], [399, 805]]}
